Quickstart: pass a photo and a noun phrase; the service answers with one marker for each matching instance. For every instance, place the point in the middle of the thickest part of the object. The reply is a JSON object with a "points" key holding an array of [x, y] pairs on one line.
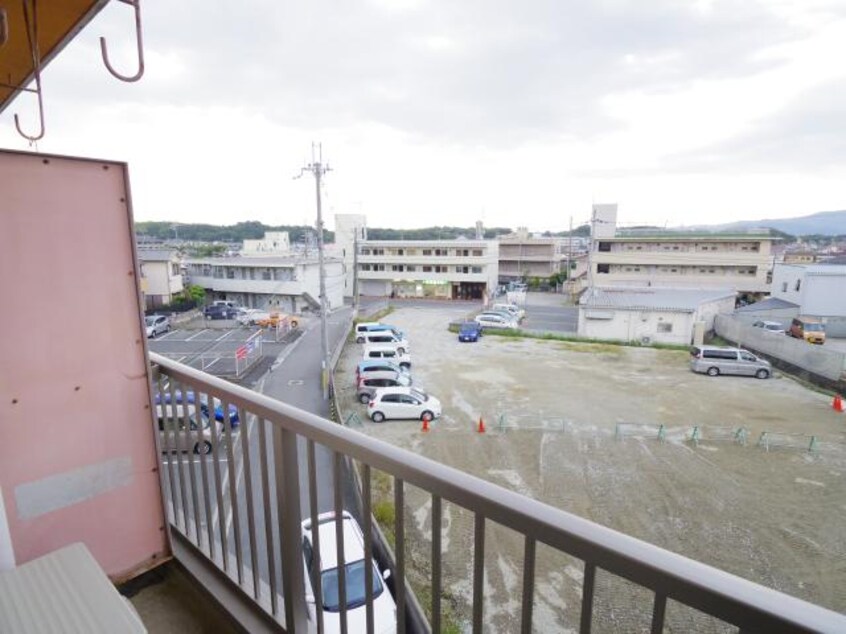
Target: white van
{"points": [[375, 326], [384, 337], [387, 351]]}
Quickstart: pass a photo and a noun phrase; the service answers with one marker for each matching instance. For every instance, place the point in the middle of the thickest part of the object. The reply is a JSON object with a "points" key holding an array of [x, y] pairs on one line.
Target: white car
{"points": [[494, 320], [402, 402], [173, 433], [325, 569], [156, 325], [513, 309], [773, 327], [251, 315]]}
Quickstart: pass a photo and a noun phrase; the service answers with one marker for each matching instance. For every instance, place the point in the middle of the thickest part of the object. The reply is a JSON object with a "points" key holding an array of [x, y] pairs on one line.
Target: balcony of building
{"points": [[93, 454]]}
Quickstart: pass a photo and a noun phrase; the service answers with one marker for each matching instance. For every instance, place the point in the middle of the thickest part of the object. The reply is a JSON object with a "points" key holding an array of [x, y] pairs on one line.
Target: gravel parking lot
{"points": [[552, 411]]}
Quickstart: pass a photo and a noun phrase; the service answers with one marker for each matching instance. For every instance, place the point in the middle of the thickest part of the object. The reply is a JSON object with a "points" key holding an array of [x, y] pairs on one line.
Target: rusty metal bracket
{"points": [[136, 4]]}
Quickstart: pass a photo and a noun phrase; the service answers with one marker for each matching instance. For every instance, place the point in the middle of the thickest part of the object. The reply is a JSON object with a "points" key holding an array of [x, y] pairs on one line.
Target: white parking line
{"points": [[197, 335], [168, 334], [224, 335]]}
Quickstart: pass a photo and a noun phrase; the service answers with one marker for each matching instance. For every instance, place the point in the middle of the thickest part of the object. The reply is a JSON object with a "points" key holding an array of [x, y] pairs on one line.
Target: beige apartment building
{"points": [[739, 261], [522, 255], [161, 276]]}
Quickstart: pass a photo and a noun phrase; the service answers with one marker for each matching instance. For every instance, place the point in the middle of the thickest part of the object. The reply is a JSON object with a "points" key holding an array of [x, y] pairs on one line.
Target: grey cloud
{"points": [[517, 72]]}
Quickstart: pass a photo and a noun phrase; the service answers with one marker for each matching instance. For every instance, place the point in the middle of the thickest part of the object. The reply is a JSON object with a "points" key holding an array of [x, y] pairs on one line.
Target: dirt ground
{"points": [[552, 411]]}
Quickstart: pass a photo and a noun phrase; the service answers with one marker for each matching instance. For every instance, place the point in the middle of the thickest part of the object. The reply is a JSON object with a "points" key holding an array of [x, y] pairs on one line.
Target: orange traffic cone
{"points": [[837, 404], [481, 425], [425, 423]]}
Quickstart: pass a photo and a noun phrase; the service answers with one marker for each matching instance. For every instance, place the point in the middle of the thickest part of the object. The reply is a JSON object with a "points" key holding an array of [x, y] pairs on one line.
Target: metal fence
{"points": [[814, 359], [249, 527]]}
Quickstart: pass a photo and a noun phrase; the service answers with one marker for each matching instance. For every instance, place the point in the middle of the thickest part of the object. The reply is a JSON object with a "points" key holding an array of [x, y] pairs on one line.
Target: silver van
{"points": [[173, 431], [717, 360]]}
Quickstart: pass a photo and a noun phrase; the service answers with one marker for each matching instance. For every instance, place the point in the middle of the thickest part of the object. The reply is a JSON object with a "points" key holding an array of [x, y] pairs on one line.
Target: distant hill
{"points": [[827, 223], [251, 230]]}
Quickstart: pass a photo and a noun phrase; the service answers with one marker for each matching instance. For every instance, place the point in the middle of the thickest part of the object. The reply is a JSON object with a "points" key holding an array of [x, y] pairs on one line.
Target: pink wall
{"points": [[77, 453]]}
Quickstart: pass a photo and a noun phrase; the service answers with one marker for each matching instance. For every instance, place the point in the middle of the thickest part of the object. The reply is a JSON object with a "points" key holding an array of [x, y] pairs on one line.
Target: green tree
{"points": [[195, 293]]}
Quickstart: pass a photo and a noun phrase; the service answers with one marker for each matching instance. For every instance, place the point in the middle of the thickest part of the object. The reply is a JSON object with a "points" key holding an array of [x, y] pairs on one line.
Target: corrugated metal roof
{"points": [[771, 303], [652, 298], [65, 591]]}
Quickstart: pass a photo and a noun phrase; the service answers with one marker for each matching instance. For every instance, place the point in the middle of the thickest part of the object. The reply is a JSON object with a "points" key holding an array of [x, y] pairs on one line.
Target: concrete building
{"points": [[287, 283], [818, 289], [444, 269], [349, 228], [273, 243], [161, 276], [522, 256], [679, 259], [650, 314]]}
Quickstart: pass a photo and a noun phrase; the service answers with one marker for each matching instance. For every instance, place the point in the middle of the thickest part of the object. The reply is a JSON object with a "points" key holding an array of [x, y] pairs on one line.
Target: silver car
{"points": [[717, 360], [156, 325]]}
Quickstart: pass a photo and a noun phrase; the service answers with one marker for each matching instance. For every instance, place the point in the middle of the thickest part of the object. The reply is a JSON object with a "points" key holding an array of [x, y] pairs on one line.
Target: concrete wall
{"points": [[814, 359], [782, 315], [785, 278]]}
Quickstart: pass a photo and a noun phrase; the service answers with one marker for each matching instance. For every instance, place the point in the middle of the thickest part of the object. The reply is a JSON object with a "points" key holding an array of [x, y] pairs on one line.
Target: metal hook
{"points": [[32, 37], [136, 4]]}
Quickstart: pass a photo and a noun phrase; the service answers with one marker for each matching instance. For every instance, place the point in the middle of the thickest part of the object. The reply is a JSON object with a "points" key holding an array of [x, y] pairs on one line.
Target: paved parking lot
{"points": [[213, 345], [552, 411]]}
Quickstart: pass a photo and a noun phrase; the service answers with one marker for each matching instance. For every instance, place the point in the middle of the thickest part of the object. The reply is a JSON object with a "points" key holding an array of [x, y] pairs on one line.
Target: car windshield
{"points": [[149, 320], [354, 583], [468, 327], [814, 327], [421, 395]]}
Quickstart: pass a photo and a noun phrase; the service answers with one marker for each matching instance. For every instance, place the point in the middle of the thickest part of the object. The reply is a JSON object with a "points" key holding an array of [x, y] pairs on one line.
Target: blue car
{"points": [[204, 408], [469, 331]]}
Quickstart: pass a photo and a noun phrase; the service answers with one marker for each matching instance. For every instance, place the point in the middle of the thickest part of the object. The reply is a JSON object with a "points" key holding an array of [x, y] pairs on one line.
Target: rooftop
{"points": [[260, 260], [156, 255], [650, 298], [689, 236]]}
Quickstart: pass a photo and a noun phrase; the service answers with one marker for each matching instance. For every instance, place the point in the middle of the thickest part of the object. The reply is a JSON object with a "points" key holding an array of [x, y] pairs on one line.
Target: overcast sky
{"points": [[448, 112]]}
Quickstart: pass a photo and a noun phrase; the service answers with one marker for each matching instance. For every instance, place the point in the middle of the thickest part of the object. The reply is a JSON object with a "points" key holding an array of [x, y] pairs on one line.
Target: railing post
{"points": [[286, 470]]}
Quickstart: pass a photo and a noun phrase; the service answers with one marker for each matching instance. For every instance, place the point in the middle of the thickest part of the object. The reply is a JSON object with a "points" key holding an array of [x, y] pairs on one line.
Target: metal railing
{"points": [[241, 505]]}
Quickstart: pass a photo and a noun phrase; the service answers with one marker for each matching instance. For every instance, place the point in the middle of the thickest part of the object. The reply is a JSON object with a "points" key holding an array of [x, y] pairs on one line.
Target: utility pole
{"points": [[318, 169]]}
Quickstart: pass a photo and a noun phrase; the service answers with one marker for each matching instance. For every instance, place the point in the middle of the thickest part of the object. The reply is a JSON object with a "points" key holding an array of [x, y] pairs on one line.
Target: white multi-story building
{"points": [[818, 290], [273, 243], [349, 230], [445, 269], [681, 259], [286, 283], [522, 256], [161, 276]]}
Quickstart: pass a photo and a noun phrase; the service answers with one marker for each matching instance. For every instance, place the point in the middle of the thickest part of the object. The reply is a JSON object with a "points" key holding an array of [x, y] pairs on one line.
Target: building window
{"points": [[400, 251], [604, 246], [441, 269], [603, 268], [798, 284], [397, 267], [265, 274], [378, 267], [378, 251], [638, 248], [230, 274], [441, 252], [365, 267], [784, 287], [411, 268], [665, 326], [462, 269], [174, 269], [427, 251], [365, 252], [476, 269], [477, 253], [427, 269]]}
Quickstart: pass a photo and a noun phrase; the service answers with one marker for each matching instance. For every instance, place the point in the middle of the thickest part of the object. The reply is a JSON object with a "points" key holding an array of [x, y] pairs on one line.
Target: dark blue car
{"points": [[204, 407], [469, 331]]}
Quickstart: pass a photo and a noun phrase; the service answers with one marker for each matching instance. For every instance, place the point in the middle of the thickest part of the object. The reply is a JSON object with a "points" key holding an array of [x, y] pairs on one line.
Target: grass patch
{"points": [[584, 344], [376, 316]]}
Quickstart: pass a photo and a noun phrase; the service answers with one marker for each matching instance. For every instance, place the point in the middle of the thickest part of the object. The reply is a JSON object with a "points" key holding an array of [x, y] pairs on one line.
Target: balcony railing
{"points": [[241, 507]]}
